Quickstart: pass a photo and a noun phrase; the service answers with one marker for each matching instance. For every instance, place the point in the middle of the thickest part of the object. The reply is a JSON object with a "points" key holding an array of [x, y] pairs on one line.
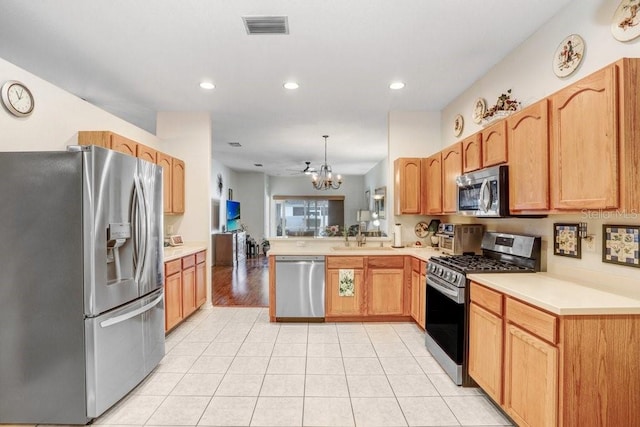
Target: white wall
{"points": [[57, 117], [411, 134], [352, 189], [527, 71], [229, 180], [250, 190]]}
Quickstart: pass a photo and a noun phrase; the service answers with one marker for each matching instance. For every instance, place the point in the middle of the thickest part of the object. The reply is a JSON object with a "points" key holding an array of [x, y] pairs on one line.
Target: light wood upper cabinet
{"points": [[451, 169], [472, 153], [164, 160], [124, 145], [177, 186], [407, 184], [494, 144], [432, 184], [110, 140], [146, 153], [584, 143], [528, 141]]}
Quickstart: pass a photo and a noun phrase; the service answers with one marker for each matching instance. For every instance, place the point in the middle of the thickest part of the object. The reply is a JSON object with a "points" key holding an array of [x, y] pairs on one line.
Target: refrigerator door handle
{"points": [[140, 232], [134, 313]]}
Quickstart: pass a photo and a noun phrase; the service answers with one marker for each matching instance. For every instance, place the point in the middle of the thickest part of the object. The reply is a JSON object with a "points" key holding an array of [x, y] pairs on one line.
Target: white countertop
{"points": [[337, 249], [559, 296], [174, 252]]}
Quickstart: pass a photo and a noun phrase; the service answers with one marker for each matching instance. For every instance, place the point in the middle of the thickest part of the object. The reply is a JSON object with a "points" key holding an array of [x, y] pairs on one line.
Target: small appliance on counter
{"points": [[459, 239]]}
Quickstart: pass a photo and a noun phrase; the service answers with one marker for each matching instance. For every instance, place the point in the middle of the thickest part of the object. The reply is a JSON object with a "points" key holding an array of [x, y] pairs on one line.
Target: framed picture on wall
{"points": [[566, 241], [621, 244]]}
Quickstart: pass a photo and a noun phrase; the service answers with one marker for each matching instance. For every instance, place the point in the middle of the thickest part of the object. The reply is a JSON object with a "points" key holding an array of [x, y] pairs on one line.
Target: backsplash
{"points": [[589, 269]]}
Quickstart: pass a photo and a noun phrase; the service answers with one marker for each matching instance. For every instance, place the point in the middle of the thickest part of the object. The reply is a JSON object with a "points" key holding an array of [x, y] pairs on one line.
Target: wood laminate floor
{"points": [[245, 285]]}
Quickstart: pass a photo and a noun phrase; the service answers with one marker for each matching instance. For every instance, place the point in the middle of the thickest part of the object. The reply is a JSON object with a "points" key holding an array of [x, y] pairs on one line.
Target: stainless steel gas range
{"points": [[447, 305]]}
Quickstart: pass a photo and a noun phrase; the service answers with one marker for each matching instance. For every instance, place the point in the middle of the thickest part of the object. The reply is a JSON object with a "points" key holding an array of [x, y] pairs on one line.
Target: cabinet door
{"points": [[167, 169], [177, 186], [407, 186], [528, 140], [173, 300], [432, 184], [337, 305], [415, 295], [201, 284], [385, 291], [422, 315], [188, 291], [124, 145], [472, 153], [531, 379], [485, 350], [494, 144], [146, 153], [584, 143], [451, 169]]}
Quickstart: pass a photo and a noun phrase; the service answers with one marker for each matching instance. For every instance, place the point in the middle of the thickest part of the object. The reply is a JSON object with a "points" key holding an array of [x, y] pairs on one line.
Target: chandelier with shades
{"points": [[324, 179]]}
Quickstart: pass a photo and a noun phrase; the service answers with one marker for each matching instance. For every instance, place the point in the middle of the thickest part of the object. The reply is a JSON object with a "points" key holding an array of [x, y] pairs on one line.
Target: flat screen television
{"points": [[233, 215]]}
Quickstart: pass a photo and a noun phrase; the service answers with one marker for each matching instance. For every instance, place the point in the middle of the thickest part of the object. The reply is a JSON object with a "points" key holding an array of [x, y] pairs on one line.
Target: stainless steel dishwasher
{"points": [[299, 286]]}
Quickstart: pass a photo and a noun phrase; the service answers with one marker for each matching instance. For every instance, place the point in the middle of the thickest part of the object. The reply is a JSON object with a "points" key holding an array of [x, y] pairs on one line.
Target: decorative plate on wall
{"points": [[626, 21], [568, 55], [422, 229], [479, 108], [458, 125]]}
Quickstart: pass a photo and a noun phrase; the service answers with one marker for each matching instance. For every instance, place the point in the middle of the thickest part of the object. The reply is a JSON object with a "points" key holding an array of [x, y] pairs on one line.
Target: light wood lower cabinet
{"points": [[185, 287], [172, 294], [418, 291], [381, 287], [485, 346], [342, 305], [578, 370]]}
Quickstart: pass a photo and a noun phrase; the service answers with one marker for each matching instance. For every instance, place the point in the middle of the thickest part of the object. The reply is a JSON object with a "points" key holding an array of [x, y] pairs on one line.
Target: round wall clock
{"points": [[17, 98], [568, 55], [458, 125], [626, 21], [479, 108]]}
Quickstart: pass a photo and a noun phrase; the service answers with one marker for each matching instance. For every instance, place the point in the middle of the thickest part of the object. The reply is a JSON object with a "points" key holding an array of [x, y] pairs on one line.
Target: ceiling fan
{"points": [[308, 170]]}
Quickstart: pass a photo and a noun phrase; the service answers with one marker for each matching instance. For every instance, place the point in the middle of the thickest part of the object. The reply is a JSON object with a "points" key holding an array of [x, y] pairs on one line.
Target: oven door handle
{"points": [[451, 294]]}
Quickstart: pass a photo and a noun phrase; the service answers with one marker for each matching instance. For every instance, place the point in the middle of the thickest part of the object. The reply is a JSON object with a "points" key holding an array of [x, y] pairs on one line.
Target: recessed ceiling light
{"points": [[291, 85], [396, 85], [207, 85]]}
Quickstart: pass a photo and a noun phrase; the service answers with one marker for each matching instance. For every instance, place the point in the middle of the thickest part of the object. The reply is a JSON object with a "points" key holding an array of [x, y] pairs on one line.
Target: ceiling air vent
{"points": [[235, 144], [258, 165], [266, 24]]}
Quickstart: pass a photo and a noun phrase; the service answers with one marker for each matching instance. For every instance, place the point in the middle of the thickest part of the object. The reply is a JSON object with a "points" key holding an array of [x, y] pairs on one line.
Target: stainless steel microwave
{"points": [[484, 193]]}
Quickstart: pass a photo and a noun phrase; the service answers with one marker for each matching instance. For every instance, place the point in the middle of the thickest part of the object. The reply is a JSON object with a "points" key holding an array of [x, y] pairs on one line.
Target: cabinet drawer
{"points": [[487, 298], [188, 261], [538, 322], [200, 257], [385, 262], [172, 267], [345, 262]]}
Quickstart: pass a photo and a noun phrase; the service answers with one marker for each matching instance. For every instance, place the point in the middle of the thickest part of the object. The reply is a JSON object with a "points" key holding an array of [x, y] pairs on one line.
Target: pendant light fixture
{"points": [[324, 180]]}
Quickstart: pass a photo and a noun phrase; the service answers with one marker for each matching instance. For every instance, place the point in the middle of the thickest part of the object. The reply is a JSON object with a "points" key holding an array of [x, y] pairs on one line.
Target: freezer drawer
{"points": [[300, 286], [123, 347]]}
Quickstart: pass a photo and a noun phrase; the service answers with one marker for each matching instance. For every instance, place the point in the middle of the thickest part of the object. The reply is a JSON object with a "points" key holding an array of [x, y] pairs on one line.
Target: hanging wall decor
{"points": [[566, 240], [458, 125], [568, 55], [621, 244], [625, 25]]}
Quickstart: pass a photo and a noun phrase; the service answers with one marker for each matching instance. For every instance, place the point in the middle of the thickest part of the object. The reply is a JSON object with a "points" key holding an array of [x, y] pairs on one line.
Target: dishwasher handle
{"points": [[298, 258]]}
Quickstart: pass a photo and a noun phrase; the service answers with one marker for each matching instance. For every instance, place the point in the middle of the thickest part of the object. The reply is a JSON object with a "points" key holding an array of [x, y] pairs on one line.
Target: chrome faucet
{"points": [[361, 239]]}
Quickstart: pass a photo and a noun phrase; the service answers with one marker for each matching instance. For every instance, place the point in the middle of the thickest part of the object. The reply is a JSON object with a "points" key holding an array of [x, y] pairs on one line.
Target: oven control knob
{"points": [[447, 275]]}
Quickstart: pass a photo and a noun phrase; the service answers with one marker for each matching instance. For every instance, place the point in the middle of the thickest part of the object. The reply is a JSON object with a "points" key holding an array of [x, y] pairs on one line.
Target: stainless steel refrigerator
{"points": [[81, 278]]}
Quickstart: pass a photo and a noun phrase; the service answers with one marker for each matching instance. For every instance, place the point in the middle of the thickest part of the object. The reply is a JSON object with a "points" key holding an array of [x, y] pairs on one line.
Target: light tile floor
{"points": [[231, 367]]}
